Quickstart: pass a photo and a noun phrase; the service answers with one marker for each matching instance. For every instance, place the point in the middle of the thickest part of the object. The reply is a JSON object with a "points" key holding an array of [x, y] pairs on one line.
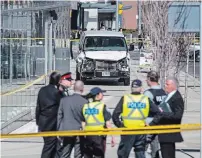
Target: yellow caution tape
{"points": [[23, 87], [115, 131]]}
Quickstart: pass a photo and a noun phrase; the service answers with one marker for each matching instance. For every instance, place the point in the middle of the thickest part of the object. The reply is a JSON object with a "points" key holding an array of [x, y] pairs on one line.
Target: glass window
{"points": [[104, 43]]}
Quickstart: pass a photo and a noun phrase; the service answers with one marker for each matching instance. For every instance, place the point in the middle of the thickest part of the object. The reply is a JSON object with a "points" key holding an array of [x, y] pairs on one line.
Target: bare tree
{"points": [[170, 47]]}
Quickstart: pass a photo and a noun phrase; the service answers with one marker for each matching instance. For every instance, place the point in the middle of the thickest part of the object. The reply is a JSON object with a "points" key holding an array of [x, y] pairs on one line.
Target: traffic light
{"points": [[120, 8]]}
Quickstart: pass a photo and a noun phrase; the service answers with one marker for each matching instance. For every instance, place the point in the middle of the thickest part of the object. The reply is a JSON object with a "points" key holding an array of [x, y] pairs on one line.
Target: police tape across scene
{"points": [[114, 131], [13, 91]]}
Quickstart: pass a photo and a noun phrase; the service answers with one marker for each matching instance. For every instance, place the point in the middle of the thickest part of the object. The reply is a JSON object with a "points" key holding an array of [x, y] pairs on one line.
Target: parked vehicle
{"points": [[102, 55]]}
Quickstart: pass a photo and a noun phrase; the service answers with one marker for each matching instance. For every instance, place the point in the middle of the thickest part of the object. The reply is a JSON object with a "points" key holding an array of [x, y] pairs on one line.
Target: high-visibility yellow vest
{"points": [[135, 110], [93, 114]]}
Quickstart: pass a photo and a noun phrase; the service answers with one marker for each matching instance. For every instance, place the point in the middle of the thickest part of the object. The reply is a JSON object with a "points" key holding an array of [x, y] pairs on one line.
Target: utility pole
{"points": [[139, 17], [117, 15]]}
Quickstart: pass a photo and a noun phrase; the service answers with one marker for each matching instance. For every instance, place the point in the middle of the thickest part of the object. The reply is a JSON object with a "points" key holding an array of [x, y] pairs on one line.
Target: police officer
{"points": [[65, 84], [64, 90], [134, 109], [157, 95], [96, 117]]}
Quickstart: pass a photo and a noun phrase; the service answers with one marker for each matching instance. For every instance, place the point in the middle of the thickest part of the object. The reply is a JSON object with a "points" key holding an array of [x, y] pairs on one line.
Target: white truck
{"points": [[103, 55]]}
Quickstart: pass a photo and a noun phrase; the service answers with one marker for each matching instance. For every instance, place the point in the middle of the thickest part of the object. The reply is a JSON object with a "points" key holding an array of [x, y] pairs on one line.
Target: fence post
{"points": [[46, 51], [54, 52], [194, 62], [11, 52], [186, 84], [50, 52], [11, 62]]}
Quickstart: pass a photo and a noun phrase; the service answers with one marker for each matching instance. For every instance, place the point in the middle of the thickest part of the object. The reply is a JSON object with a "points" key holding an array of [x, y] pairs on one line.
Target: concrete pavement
{"points": [[191, 69], [32, 147]]}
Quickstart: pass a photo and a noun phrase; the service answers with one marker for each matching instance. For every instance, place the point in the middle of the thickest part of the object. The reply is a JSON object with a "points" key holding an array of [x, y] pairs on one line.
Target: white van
{"points": [[103, 55]]}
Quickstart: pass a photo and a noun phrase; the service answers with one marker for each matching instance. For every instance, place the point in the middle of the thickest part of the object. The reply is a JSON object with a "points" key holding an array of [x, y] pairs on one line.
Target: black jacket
{"points": [[175, 117], [47, 108], [153, 111]]}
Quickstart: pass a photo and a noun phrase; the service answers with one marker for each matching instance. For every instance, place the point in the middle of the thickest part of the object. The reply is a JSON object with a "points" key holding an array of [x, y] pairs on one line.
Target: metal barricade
{"points": [[30, 51]]}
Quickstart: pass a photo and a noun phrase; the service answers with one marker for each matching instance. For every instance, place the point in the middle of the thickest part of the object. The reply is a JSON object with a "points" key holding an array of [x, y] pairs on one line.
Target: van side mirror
{"points": [[74, 49]]}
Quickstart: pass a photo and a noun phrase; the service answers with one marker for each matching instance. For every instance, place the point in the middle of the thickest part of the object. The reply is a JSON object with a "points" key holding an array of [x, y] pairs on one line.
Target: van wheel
{"points": [[126, 81], [77, 75]]}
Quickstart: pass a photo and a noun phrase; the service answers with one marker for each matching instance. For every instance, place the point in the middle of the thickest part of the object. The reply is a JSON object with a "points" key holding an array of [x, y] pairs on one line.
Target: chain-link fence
{"points": [[34, 42]]}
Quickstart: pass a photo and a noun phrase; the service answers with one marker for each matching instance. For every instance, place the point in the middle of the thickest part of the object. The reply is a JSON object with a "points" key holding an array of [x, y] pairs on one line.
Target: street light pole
{"points": [[117, 15]]}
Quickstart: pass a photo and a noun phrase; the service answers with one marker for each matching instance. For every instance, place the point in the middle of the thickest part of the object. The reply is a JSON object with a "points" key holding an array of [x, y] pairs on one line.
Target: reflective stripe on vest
{"points": [[93, 113], [132, 111], [135, 110]]}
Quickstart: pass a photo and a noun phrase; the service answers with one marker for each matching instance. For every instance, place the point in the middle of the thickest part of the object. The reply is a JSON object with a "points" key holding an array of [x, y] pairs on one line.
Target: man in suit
{"points": [[176, 103], [46, 113], [70, 118]]}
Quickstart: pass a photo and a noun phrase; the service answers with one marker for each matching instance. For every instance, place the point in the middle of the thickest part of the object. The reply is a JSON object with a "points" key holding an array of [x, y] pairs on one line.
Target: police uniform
{"points": [[157, 95], [65, 92], [134, 108], [95, 116]]}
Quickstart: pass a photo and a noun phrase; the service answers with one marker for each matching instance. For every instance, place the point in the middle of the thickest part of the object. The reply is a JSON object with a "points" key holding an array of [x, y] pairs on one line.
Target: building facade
{"points": [[129, 17]]}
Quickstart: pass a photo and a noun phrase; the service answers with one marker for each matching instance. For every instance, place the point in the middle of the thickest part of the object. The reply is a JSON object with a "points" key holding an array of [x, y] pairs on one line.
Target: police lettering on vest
{"points": [[91, 111], [160, 98], [93, 114], [135, 110], [158, 94], [136, 105]]}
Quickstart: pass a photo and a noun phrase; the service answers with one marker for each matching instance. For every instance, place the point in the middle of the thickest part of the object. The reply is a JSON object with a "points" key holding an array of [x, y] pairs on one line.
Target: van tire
{"points": [[126, 81], [77, 75]]}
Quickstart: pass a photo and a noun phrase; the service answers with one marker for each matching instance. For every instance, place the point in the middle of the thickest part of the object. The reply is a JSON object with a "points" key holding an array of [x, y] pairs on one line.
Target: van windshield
{"points": [[103, 43]]}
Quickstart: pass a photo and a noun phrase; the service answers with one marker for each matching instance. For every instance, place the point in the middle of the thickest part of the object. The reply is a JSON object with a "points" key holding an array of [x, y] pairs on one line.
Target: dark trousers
{"points": [[59, 149], [72, 142], [155, 148], [49, 148], [167, 150], [128, 142], [94, 147]]}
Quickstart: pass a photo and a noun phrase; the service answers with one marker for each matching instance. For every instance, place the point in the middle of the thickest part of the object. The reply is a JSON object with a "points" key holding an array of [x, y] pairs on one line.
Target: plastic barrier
{"points": [[114, 131]]}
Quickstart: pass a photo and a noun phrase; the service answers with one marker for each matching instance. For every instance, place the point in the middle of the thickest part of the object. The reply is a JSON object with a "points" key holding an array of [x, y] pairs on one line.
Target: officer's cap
{"points": [[96, 90], [67, 76], [136, 83]]}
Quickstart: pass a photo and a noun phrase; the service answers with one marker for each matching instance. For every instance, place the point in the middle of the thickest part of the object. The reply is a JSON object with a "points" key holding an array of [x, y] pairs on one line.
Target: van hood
{"points": [[106, 55]]}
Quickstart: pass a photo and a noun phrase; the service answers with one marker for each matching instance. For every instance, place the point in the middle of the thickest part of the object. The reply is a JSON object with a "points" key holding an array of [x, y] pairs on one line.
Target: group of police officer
{"points": [[136, 109]]}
